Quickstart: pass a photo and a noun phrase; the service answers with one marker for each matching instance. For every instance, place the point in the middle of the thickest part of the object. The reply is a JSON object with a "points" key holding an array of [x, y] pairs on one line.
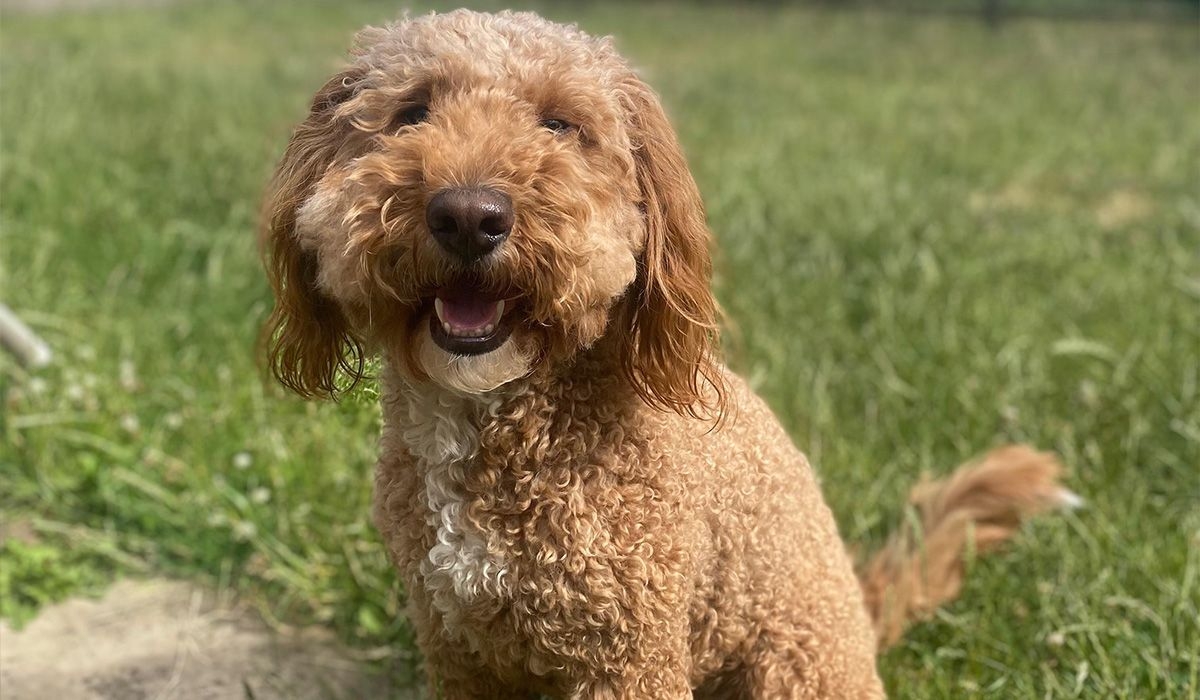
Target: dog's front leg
{"points": [[454, 675], [638, 684], [454, 672], [482, 686], [663, 674]]}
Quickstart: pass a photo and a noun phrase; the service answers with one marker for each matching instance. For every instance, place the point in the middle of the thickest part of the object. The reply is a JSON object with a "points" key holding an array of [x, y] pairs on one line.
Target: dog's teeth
{"points": [[446, 327], [437, 308], [487, 330]]}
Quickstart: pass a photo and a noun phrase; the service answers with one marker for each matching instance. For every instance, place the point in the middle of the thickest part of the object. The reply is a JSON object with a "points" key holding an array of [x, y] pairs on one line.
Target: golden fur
{"points": [[597, 508]]}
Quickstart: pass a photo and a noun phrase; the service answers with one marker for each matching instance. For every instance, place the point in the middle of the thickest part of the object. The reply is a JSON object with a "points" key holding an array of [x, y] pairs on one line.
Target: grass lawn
{"points": [[934, 239]]}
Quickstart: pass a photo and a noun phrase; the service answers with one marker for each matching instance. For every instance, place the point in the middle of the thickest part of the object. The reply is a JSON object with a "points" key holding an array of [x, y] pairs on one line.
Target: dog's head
{"points": [[477, 196]]}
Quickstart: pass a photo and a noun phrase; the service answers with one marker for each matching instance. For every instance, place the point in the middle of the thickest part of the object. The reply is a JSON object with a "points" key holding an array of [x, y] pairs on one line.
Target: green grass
{"points": [[934, 239]]}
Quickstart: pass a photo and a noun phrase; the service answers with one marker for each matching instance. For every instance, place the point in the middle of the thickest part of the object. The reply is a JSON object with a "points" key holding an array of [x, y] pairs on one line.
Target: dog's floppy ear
{"points": [[672, 358], [306, 339]]}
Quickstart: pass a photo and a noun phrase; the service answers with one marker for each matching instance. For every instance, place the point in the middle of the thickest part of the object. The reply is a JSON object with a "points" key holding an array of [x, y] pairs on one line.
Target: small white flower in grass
{"points": [[86, 352], [244, 530], [1089, 393], [1056, 639], [1069, 500], [75, 392], [173, 420], [127, 375], [37, 386], [260, 495], [130, 423], [217, 519], [242, 460]]}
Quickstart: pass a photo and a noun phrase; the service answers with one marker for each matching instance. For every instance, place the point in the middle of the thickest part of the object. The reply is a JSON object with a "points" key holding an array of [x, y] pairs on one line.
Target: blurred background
{"points": [[943, 225]]}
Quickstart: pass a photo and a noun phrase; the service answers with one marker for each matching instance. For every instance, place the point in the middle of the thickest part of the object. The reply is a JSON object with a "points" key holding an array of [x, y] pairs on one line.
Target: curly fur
{"points": [[580, 512]]}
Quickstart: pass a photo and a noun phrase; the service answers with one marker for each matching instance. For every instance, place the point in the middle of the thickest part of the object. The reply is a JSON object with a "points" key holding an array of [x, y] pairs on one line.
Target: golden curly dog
{"points": [[581, 499]]}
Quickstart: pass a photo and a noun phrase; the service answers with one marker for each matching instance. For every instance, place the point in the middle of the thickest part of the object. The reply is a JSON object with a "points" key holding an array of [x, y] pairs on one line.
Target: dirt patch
{"points": [[19, 530], [1122, 208], [167, 639]]}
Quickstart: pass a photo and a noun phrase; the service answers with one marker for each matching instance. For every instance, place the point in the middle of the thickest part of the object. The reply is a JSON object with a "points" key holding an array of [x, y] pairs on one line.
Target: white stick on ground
{"points": [[22, 342]]}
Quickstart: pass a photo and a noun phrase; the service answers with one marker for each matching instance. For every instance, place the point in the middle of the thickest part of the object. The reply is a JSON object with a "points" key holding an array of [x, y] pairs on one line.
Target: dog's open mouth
{"points": [[468, 320]]}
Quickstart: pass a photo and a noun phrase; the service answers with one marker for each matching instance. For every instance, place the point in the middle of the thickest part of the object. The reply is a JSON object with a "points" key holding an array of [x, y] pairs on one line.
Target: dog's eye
{"points": [[558, 126], [411, 115]]}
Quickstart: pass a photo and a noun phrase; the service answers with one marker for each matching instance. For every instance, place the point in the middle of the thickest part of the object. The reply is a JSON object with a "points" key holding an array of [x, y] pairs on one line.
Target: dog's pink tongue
{"points": [[466, 310]]}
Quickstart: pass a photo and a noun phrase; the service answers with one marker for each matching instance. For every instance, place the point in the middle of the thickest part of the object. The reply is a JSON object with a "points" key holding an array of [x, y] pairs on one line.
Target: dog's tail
{"points": [[975, 509]]}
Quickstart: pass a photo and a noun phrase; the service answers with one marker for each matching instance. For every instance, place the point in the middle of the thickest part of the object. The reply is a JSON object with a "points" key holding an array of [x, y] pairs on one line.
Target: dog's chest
{"points": [[459, 572]]}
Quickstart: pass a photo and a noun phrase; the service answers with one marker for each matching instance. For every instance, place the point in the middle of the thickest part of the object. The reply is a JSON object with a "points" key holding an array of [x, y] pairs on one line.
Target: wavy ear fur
{"points": [[306, 339], [673, 354]]}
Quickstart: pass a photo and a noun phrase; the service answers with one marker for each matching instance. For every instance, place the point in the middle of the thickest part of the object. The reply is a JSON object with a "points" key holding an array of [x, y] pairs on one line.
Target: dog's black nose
{"points": [[469, 222]]}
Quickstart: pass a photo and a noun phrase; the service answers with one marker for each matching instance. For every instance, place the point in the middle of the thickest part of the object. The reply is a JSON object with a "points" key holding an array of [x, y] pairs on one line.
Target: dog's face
{"points": [[477, 196]]}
